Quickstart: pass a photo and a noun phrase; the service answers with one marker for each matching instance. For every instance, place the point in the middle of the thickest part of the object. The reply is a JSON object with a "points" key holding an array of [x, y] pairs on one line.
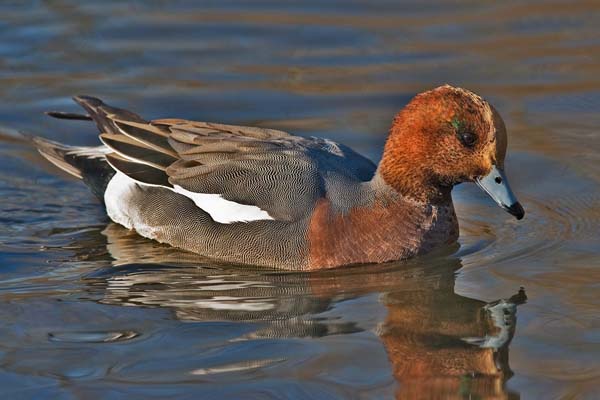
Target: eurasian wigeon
{"points": [[258, 196]]}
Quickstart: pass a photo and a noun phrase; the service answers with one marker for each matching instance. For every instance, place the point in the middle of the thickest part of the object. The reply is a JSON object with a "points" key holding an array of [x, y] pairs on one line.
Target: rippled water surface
{"points": [[90, 310]]}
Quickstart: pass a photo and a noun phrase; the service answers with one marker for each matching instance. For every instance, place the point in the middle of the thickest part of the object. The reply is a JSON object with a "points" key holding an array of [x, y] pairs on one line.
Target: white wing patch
{"points": [[224, 211], [120, 209]]}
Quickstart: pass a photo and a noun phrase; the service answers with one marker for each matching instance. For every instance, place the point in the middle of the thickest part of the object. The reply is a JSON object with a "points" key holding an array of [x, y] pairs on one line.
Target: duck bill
{"points": [[496, 185]]}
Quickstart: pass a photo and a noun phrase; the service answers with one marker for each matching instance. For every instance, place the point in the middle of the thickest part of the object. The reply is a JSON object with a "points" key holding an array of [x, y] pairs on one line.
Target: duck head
{"points": [[444, 137]]}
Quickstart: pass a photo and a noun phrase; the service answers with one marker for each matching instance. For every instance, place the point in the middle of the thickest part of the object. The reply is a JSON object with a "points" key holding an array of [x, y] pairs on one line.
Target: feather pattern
{"points": [[137, 151], [227, 191], [261, 196], [244, 165], [142, 173], [152, 138]]}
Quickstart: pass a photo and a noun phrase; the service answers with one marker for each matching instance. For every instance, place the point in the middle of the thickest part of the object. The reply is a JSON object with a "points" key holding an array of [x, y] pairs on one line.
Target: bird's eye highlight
{"points": [[467, 138]]}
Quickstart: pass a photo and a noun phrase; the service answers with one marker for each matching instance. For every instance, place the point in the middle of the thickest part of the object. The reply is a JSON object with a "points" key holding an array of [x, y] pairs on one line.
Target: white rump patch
{"points": [[224, 211], [120, 209], [116, 199]]}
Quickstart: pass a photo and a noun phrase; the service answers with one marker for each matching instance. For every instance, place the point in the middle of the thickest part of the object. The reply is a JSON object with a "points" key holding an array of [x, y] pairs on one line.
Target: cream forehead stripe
{"points": [[488, 114], [223, 211]]}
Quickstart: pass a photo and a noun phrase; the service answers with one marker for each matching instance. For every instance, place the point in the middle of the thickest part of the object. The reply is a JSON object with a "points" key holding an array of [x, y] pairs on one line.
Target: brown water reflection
{"points": [[95, 315], [439, 344]]}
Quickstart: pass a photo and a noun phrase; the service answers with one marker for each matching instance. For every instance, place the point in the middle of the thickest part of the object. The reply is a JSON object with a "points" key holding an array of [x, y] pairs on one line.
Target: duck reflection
{"points": [[439, 344], [442, 345]]}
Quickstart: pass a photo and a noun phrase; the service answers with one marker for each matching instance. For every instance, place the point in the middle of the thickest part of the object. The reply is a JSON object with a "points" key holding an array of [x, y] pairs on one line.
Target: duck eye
{"points": [[467, 138]]}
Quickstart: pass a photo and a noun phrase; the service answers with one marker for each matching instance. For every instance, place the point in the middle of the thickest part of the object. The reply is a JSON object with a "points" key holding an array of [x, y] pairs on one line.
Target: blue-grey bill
{"points": [[496, 185]]}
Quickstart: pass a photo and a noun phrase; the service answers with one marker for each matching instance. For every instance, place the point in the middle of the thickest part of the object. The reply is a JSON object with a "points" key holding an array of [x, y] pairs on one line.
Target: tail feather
{"points": [[68, 115], [86, 163], [57, 154], [144, 150], [100, 112]]}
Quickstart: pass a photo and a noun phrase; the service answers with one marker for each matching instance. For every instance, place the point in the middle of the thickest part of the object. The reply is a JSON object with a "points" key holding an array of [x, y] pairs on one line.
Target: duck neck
{"points": [[406, 167], [412, 185]]}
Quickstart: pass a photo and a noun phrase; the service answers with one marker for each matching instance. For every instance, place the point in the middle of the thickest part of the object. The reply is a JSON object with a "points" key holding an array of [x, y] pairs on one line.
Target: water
{"points": [[91, 310]]}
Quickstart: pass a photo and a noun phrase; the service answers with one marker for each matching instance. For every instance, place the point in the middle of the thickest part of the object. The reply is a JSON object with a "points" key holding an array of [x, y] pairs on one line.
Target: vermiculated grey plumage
{"points": [[283, 177]]}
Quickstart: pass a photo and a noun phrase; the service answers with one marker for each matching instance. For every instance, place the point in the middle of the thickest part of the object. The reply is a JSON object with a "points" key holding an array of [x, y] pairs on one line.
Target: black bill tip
{"points": [[517, 210]]}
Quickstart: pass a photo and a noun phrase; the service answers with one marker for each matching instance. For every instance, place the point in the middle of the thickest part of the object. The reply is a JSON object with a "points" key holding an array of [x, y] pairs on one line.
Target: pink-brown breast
{"points": [[384, 231]]}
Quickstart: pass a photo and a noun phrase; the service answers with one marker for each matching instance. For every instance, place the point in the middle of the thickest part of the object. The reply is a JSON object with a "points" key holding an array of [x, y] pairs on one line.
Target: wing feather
{"points": [[134, 150], [279, 173], [148, 137], [139, 172]]}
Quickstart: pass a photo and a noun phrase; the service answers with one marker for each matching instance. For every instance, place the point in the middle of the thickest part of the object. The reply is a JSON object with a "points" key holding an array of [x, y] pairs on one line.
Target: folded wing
{"points": [[257, 172], [260, 173]]}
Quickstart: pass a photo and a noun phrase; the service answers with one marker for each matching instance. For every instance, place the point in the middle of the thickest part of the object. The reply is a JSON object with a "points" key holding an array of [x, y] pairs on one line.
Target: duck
{"points": [[263, 197]]}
